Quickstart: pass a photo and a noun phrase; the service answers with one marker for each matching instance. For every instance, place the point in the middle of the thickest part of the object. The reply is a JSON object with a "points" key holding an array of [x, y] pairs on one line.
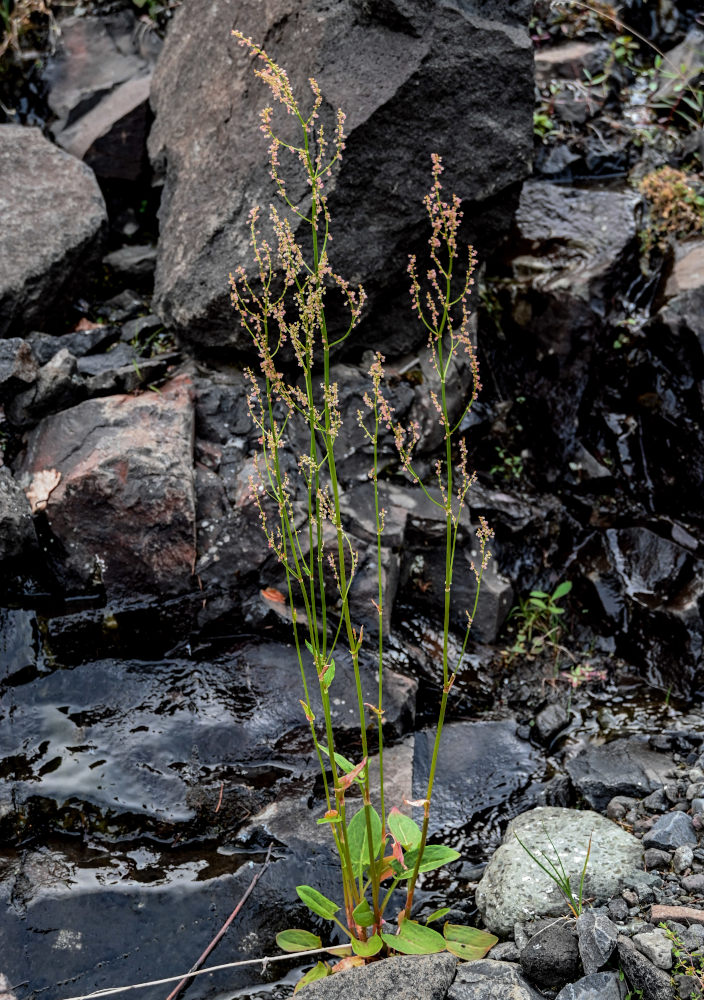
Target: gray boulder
{"points": [[599, 986], [514, 889], [412, 78], [487, 978], [407, 977], [53, 216]]}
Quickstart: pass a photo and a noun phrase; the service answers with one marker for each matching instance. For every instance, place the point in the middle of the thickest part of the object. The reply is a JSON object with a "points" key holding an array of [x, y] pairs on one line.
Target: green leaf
{"points": [[367, 948], [562, 589], [342, 762], [316, 902], [538, 593], [363, 915], [298, 940], [434, 856], [405, 830], [329, 675], [319, 971], [415, 939], [468, 943], [438, 914], [358, 840]]}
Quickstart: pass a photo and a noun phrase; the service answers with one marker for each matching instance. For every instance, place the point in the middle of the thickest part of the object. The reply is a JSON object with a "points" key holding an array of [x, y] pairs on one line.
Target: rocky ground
{"points": [[147, 759]]}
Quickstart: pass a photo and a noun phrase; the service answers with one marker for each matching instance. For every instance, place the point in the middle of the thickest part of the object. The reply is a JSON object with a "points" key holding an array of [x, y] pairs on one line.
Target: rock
{"points": [[641, 974], [661, 912], [682, 858], [656, 802], [132, 264], [125, 506], [567, 61], [410, 975], [58, 385], [597, 940], [52, 228], [656, 946], [96, 736], [622, 767], [657, 860], [551, 957], [16, 525], [94, 56], [672, 830], [549, 721], [124, 306], [598, 986], [688, 58], [515, 889], [18, 367], [618, 909], [6, 989], [79, 343], [481, 766], [694, 883], [486, 978], [619, 806], [688, 270], [431, 55], [112, 137]]}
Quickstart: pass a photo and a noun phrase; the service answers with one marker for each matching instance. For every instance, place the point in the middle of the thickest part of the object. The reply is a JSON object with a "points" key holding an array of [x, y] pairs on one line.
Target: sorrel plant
{"points": [[283, 308]]}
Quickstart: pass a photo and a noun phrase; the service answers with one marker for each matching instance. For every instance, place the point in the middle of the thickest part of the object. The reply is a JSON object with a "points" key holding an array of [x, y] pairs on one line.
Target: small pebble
{"points": [[682, 859]]}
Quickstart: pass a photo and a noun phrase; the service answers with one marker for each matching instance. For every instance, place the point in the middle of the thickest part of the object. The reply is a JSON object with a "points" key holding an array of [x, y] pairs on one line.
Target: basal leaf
{"points": [[562, 589], [298, 940], [367, 948], [415, 939], [437, 914], [363, 915], [468, 943], [316, 902], [358, 840], [404, 829], [434, 856], [319, 971]]}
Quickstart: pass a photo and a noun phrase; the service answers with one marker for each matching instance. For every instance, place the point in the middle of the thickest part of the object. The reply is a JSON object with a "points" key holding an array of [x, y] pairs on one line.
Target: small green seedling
{"points": [[555, 870], [538, 623]]}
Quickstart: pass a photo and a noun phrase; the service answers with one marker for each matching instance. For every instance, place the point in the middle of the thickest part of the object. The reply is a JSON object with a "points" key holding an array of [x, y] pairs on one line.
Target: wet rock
{"points": [[514, 888], [656, 946], [16, 525], [124, 509], [499, 980], [672, 830], [549, 721], [641, 974], [482, 766], [57, 921], [144, 746], [18, 367], [551, 957], [52, 228], [58, 385], [426, 50], [597, 940], [622, 767], [124, 306], [598, 986], [421, 975]]}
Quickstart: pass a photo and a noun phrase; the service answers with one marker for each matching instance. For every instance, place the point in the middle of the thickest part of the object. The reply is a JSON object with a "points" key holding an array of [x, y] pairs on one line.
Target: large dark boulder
{"points": [[123, 506], [413, 79], [53, 216]]}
